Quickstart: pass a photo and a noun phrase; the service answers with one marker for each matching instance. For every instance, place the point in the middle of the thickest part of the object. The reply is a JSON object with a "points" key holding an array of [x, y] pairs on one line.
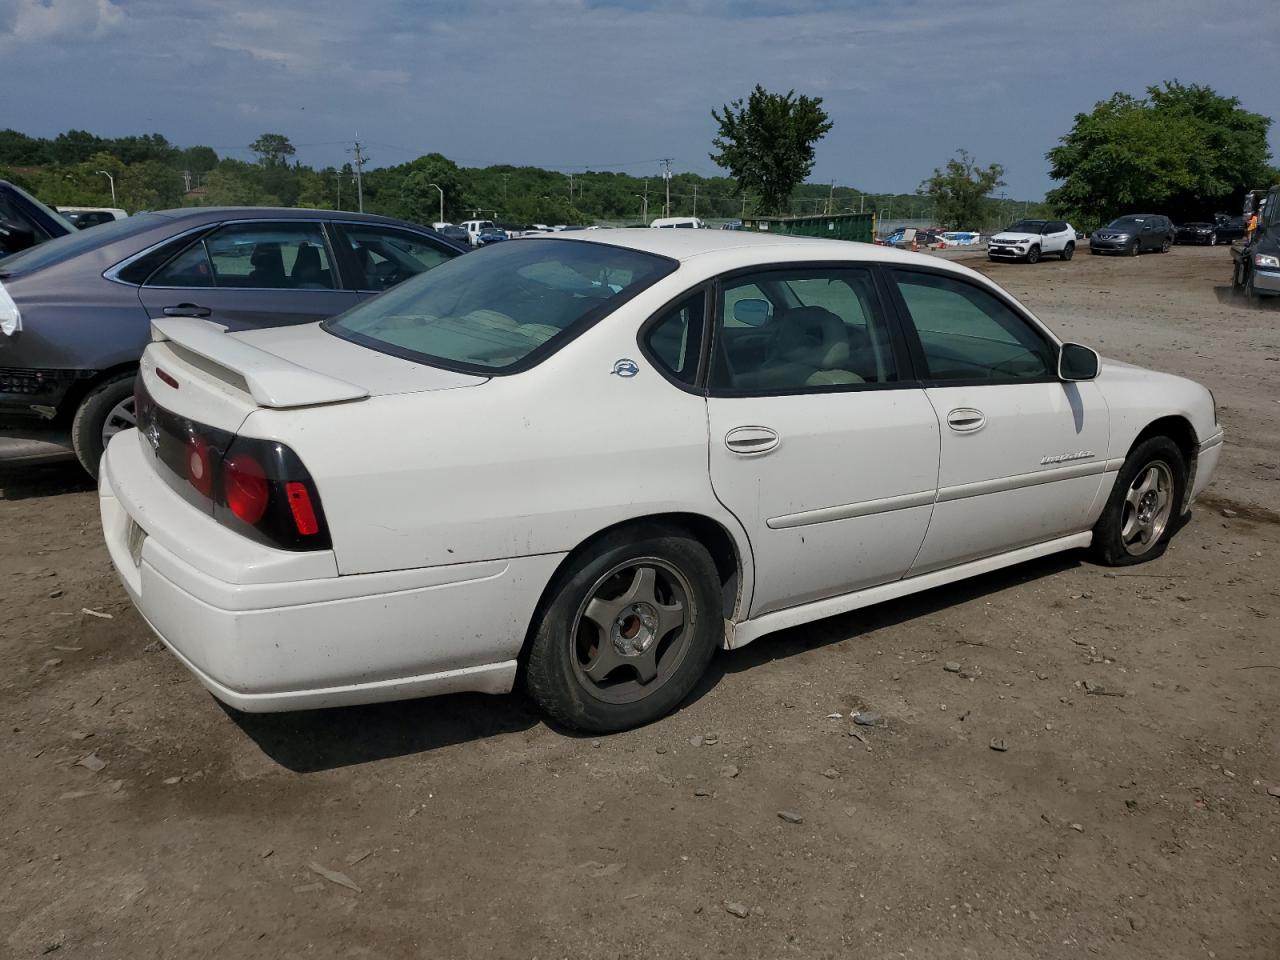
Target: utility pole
{"points": [[338, 176], [361, 160], [570, 176], [186, 181], [505, 178], [695, 199], [666, 176], [831, 197]]}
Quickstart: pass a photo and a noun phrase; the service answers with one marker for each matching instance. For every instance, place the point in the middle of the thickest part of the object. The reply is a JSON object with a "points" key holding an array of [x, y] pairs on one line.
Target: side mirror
{"points": [[752, 313], [14, 237], [1077, 362]]}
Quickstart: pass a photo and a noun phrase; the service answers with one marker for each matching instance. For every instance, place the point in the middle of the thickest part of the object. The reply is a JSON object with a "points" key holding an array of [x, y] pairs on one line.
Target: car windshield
{"points": [[46, 210], [1027, 226], [78, 241], [503, 308], [1126, 223]]}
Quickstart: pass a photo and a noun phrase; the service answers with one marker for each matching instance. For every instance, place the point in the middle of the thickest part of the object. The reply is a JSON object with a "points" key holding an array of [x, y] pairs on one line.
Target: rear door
{"points": [[252, 273], [1022, 453], [821, 443]]}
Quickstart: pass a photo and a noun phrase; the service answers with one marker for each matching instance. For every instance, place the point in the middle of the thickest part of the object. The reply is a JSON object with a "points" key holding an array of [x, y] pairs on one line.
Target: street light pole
{"points": [[437, 186], [644, 210], [113, 185]]}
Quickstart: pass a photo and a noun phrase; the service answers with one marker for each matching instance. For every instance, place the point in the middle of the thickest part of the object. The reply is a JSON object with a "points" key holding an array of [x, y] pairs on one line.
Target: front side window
{"points": [[502, 308], [788, 331], [968, 334], [253, 256], [386, 256], [675, 339]]}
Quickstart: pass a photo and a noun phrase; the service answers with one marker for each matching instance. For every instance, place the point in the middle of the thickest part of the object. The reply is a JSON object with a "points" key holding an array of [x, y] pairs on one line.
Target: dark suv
{"points": [[1132, 234], [75, 312]]}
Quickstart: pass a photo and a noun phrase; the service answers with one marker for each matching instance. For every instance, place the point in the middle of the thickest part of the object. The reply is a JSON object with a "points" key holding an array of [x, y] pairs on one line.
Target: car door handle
{"points": [[187, 310], [751, 441], [966, 419]]}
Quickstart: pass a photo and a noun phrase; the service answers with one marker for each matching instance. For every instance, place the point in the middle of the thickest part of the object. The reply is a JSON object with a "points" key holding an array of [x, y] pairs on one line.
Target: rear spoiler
{"points": [[272, 381]]}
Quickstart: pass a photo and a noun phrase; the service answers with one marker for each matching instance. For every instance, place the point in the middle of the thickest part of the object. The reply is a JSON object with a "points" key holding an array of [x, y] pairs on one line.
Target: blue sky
{"points": [[616, 84]]}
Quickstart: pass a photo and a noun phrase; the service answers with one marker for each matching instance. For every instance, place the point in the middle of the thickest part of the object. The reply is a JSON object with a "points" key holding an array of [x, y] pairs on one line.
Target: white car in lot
{"points": [[1030, 240], [583, 463]]}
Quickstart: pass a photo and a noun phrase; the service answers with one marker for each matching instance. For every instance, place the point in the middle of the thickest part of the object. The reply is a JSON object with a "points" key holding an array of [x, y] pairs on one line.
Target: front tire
{"points": [[1033, 255], [1142, 511], [1134, 249], [1068, 251], [105, 411], [1166, 245], [628, 630]]}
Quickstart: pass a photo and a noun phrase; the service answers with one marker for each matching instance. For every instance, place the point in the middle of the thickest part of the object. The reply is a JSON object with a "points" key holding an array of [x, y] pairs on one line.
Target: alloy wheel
{"points": [[633, 630], [1148, 504], [120, 418]]}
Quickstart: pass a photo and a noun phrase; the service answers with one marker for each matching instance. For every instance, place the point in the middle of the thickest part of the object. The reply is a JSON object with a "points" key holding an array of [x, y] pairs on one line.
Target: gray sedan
{"points": [[81, 305]]}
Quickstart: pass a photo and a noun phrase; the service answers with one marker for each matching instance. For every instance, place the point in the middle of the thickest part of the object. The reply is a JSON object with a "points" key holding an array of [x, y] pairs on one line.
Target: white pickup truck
{"points": [[1029, 240]]}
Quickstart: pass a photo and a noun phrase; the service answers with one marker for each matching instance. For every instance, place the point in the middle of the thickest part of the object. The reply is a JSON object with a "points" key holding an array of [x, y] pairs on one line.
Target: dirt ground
{"points": [[1127, 826]]}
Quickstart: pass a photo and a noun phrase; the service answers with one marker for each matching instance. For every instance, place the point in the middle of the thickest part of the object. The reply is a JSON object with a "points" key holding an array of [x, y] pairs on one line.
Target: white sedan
{"points": [[582, 463]]}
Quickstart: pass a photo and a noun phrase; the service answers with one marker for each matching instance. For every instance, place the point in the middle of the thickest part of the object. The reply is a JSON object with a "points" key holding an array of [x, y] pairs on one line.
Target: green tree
{"points": [[767, 143], [959, 190], [273, 149], [1182, 150]]}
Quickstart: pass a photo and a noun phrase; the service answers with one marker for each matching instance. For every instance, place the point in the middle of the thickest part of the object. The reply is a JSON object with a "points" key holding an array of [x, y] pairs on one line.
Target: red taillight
{"points": [[304, 514], [167, 378], [245, 487], [199, 466]]}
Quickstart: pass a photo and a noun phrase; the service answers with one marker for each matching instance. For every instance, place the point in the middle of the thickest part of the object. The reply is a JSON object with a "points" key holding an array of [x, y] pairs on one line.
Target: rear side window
{"points": [[675, 339]]}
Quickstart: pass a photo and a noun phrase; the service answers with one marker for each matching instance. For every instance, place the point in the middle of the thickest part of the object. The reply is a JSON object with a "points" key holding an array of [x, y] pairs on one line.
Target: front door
{"points": [[1022, 453], [819, 444], [251, 274]]}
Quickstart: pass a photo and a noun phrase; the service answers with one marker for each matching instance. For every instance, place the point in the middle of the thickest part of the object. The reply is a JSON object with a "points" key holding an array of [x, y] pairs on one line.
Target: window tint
{"points": [[969, 334], [386, 256], [501, 306], [824, 329], [78, 241], [9, 210], [254, 256], [676, 339], [188, 269]]}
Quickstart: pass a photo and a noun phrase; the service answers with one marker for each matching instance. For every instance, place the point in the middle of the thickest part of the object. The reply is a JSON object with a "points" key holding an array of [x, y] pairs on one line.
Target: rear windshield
{"points": [[77, 242], [502, 308]]}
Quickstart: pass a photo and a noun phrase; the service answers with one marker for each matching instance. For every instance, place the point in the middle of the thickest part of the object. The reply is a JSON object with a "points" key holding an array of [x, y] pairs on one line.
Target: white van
{"points": [[474, 228], [687, 223]]}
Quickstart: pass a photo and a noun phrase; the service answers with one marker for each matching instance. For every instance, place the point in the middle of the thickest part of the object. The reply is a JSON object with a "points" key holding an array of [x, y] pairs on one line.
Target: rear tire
{"points": [[1166, 245], [1033, 255], [1068, 251], [1144, 506], [105, 411], [641, 600]]}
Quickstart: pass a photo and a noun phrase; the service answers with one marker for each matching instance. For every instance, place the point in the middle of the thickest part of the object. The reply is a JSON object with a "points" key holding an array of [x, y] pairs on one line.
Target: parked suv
{"points": [[76, 312], [1134, 233], [1029, 240]]}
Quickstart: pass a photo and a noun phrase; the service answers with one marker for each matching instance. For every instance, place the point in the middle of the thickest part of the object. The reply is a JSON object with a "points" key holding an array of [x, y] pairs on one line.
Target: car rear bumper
{"points": [[267, 630]]}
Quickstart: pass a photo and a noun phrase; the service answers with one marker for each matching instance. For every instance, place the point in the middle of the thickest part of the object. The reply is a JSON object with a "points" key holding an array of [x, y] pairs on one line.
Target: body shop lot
{"points": [[488, 833]]}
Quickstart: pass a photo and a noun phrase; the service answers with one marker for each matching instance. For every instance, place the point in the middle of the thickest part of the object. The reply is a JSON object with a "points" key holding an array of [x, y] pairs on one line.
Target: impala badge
{"points": [[152, 433], [1064, 457], [626, 368]]}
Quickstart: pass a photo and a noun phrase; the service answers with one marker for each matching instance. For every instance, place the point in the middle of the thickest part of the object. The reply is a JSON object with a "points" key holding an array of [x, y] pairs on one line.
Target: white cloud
{"points": [[43, 20]]}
